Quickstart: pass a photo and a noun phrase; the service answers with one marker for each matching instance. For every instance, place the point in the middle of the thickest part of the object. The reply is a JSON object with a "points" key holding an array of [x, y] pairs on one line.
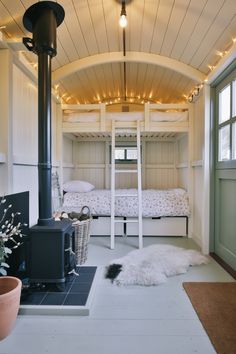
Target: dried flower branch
{"points": [[9, 230]]}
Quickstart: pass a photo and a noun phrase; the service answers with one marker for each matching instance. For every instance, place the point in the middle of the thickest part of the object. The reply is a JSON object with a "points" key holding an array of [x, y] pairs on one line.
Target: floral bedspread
{"points": [[155, 202]]}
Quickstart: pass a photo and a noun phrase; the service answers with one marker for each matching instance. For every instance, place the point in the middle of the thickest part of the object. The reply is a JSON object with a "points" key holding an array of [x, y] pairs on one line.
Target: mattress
{"points": [[155, 202]]}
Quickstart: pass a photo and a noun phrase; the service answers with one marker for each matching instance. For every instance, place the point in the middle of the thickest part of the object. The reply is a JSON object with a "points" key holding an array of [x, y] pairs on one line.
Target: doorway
{"points": [[225, 170]]}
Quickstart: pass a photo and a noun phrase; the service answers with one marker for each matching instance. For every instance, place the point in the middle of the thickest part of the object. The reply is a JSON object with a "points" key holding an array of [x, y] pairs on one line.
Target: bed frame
{"points": [[161, 226], [146, 125], [164, 226]]}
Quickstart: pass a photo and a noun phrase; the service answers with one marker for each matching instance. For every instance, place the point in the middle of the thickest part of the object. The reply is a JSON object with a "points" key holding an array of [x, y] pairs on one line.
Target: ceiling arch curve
{"points": [[138, 57]]}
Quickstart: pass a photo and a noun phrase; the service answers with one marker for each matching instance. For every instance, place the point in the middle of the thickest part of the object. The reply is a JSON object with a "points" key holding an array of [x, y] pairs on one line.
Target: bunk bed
{"points": [[93, 120], [155, 118]]}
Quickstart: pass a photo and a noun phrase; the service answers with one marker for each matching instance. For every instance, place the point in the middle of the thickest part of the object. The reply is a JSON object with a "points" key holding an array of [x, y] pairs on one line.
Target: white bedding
{"points": [[156, 203]]}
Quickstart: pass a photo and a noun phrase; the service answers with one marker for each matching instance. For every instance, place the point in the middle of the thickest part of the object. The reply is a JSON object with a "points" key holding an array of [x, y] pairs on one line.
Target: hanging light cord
{"points": [[124, 52]]}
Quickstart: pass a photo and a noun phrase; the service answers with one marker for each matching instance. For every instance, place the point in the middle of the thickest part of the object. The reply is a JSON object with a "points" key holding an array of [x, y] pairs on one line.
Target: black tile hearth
{"points": [[76, 299], [54, 299], [74, 292]]}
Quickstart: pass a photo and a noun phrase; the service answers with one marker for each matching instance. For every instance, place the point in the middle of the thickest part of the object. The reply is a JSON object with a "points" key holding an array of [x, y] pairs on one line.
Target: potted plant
{"points": [[10, 287]]}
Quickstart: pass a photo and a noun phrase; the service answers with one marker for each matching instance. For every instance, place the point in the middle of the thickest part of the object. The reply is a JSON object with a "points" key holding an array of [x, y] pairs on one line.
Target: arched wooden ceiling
{"points": [[192, 33]]}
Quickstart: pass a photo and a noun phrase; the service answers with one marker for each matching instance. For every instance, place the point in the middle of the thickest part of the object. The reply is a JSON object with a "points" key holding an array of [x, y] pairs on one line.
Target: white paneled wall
{"points": [[5, 122], [160, 171], [68, 166], [198, 129], [197, 204], [183, 149], [91, 161], [25, 118], [182, 161], [198, 181], [25, 138], [125, 180]]}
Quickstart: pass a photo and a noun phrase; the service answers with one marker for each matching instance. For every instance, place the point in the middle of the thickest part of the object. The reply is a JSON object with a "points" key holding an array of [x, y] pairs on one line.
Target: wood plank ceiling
{"points": [[194, 32]]}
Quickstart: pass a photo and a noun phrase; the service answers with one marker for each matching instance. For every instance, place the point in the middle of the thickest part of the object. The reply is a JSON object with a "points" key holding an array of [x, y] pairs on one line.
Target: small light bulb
{"points": [[123, 21]]}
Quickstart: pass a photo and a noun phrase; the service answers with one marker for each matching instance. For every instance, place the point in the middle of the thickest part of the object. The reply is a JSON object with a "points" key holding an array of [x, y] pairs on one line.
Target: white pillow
{"points": [[77, 186]]}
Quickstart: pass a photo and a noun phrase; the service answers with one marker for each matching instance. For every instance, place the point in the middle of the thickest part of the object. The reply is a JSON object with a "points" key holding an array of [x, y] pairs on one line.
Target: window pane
{"points": [[119, 154], [224, 143], [234, 98], [234, 142], [224, 104], [132, 154]]}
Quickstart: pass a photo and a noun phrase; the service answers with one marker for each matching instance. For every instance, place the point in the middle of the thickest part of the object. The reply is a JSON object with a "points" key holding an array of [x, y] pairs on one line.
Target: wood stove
{"points": [[49, 239]]}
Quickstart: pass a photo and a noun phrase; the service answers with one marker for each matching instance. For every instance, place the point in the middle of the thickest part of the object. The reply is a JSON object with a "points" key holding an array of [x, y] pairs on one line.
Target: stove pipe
{"points": [[42, 19]]}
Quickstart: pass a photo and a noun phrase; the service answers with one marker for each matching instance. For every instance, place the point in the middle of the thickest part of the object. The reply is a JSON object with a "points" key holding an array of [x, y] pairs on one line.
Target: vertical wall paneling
{"points": [[54, 135], [25, 118], [176, 162], [107, 163], [59, 143], [67, 157], [198, 131], [160, 164], [182, 161], [6, 121], [197, 170], [206, 172], [143, 163], [90, 162], [25, 138], [190, 169]]}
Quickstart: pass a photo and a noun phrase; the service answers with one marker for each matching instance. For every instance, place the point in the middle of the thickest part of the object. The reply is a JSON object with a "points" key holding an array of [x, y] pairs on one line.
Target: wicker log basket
{"points": [[82, 233]]}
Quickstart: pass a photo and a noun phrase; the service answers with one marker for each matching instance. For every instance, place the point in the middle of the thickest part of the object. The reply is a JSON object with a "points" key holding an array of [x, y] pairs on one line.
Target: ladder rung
{"points": [[125, 221], [126, 195], [126, 171], [133, 147]]}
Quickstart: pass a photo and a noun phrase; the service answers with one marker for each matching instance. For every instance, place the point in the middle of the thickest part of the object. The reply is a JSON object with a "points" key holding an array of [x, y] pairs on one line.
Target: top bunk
{"points": [[154, 118]]}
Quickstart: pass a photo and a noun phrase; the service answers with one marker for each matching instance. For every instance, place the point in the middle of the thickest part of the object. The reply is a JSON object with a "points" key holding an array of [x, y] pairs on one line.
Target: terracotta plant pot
{"points": [[10, 290]]}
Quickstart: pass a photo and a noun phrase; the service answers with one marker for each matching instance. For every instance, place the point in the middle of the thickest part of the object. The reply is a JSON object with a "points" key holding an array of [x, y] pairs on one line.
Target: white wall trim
{"points": [[68, 165], [197, 163], [182, 165], [206, 175]]}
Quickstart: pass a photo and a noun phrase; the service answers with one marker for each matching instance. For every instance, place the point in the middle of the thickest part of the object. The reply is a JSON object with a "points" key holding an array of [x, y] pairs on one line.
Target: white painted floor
{"points": [[123, 320]]}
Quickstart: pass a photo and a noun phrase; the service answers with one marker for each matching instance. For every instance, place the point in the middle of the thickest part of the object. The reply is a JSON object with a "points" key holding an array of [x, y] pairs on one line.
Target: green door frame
{"points": [[213, 147]]}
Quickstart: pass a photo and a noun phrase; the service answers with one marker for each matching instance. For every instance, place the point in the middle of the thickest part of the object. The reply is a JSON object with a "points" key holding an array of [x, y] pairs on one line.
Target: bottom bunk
{"points": [[165, 212]]}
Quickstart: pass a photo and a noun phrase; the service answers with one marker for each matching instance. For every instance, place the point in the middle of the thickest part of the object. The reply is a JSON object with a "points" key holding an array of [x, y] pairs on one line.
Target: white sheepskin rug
{"points": [[152, 265]]}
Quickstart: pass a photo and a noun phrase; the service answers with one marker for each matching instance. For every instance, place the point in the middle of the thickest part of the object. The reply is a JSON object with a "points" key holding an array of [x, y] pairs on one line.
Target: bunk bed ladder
{"points": [[113, 185]]}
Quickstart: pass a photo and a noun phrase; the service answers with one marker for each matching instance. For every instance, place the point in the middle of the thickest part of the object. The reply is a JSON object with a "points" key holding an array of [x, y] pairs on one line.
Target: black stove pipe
{"points": [[42, 19]]}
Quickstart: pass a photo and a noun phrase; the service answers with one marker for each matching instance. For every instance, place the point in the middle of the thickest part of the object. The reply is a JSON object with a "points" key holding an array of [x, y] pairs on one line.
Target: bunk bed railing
{"points": [[103, 123]]}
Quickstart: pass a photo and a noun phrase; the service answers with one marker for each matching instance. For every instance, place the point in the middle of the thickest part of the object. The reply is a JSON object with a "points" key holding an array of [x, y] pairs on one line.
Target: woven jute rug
{"points": [[215, 305]]}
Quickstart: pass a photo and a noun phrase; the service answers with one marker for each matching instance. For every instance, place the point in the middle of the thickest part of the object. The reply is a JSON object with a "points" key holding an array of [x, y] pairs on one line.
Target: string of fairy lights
{"points": [[139, 99]]}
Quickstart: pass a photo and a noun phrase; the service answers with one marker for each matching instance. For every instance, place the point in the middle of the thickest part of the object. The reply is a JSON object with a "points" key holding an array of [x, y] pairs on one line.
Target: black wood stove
{"points": [[49, 239]]}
